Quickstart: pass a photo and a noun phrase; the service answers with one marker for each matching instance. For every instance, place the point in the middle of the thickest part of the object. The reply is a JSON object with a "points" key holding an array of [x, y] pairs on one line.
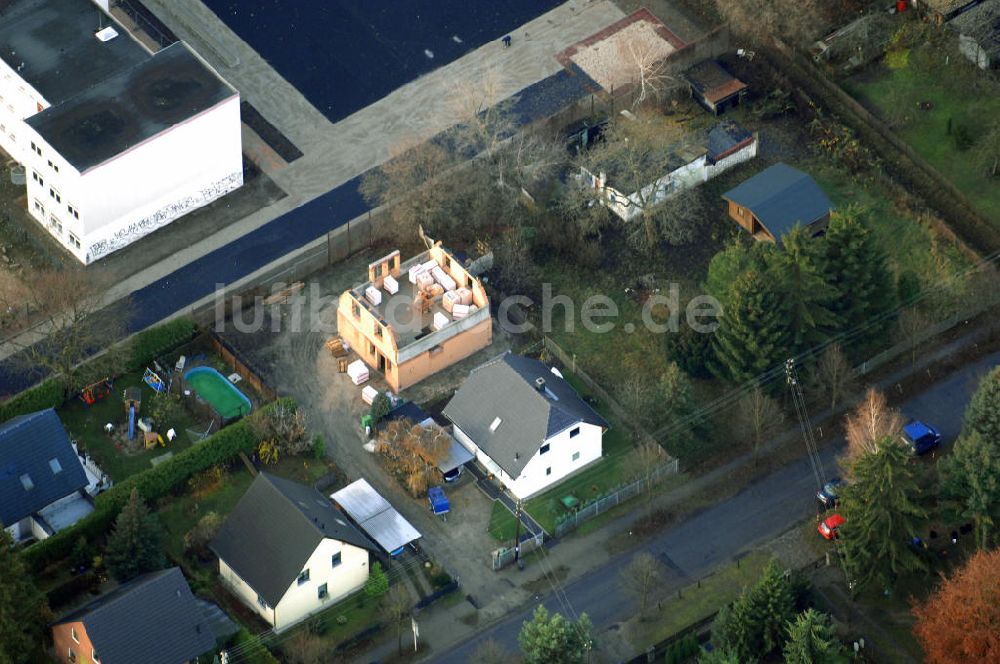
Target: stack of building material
{"points": [[444, 279], [390, 285], [464, 296], [430, 265], [373, 295], [336, 346], [358, 371], [414, 272], [460, 311], [450, 299], [435, 290], [424, 280], [368, 394], [440, 320]]}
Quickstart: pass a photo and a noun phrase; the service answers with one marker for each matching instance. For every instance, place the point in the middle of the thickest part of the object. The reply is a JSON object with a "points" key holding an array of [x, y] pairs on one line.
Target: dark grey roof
{"points": [[131, 106], [27, 444], [781, 197], [725, 136], [152, 619], [273, 530], [506, 388], [51, 45]]}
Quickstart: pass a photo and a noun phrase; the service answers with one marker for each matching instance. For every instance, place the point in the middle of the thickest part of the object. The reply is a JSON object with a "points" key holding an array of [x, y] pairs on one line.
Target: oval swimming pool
{"points": [[216, 389]]}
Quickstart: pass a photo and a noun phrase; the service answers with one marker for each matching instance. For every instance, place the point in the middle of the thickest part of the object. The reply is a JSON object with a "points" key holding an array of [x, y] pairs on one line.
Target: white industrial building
{"points": [[116, 141]]}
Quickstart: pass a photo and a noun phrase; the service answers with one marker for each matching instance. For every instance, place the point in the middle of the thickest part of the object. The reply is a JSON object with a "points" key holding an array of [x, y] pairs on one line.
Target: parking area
{"points": [[292, 358]]}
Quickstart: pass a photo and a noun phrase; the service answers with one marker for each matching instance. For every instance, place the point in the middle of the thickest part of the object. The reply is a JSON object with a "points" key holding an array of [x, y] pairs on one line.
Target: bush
{"points": [[380, 408], [152, 485], [319, 447], [251, 650], [148, 344], [196, 540]]}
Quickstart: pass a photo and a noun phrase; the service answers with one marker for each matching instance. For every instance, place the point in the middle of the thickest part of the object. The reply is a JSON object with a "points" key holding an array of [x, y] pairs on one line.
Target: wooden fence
{"points": [[232, 358]]}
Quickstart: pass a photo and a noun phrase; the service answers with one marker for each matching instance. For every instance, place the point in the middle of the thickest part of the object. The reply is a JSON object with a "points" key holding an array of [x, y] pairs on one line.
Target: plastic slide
{"points": [[131, 422]]}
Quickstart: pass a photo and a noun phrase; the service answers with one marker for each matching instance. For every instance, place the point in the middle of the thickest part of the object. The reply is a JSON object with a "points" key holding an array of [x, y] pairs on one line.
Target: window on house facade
{"points": [[93, 656], [73, 211], [262, 602], [73, 240], [303, 577], [337, 559], [55, 223], [53, 166], [71, 655], [55, 194], [378, 330], [73, 635], [37, 178], [39, 208], [548, 471], [574, 432], [322, 592], [37, 150], [356, 309], [576, 456], [543, 449]]}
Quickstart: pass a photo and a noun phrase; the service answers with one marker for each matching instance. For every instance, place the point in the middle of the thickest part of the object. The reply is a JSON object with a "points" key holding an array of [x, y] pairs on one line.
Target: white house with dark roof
{"points": [[116, 141], [286, 552], [44, 485], [525, 424]]}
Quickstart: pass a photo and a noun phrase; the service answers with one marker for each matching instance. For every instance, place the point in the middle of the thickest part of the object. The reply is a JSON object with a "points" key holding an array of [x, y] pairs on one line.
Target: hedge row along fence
{"points": [[152, 484], [141, 350]]}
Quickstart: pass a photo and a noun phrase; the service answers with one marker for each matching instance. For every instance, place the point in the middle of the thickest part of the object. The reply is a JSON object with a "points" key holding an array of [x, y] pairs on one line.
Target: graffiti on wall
{"points": [[162, 217]]}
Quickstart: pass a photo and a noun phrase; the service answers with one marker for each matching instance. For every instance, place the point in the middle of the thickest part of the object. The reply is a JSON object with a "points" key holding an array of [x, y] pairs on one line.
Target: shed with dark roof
{"points": [[38, 465], [152, 619], [714, 87], [772, 202]]}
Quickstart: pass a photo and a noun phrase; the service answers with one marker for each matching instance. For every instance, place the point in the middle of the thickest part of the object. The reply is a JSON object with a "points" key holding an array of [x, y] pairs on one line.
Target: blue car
{"points": [[922, 438], [828, 495]]}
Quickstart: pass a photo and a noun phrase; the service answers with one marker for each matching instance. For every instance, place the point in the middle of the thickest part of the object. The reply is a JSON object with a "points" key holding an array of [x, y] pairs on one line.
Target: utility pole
{"points": [[803, 416], [517, 531]]}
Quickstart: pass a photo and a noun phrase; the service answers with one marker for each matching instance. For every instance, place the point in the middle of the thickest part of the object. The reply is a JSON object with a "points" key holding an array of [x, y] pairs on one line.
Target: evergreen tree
{"points": [[811, 640], [377, 583], [24, 612], [729, 264], [754, 624], [552, 639], [808, 298], [752, 336], [983, 411], [970, 484], [134, 545], [854, 264], [720, 656], [882, 515]]}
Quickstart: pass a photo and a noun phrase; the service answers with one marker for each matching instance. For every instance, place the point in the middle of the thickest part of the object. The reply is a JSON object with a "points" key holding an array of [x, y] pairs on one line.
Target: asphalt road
{"points": [[716, 535]]}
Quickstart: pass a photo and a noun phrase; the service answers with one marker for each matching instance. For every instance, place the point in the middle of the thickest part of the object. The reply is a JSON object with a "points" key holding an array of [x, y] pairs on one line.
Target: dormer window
{"points": [[55, 466], [495, 425], [26, 482]]}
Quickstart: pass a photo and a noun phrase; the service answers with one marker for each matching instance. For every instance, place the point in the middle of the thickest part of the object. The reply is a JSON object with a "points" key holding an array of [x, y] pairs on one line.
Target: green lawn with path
{"points": [[949, 93]]}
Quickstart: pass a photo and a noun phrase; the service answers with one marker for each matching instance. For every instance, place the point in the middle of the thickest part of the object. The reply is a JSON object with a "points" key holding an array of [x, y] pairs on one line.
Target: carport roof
{"points": [[375, 516]]}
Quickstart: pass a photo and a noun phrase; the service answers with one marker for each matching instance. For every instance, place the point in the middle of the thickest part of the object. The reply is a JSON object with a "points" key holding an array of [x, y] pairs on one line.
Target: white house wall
{"points": [[237, 586], [18, 101], [559, 458], [690, 175], [302, 601]]}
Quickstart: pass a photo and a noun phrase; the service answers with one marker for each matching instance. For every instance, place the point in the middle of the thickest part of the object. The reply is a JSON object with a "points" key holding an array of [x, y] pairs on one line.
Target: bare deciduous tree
{"points": [[642, 576], [869, 423], [412, 453], [282, 426], [911, 325], [305, 648], [834, 374], [651, 75], [765, 20], [64, 308], [645, 460], [396, 607], [759, 416]]}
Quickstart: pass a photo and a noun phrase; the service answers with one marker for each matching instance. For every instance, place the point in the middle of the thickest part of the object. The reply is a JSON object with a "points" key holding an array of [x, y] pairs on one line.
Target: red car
{"points": [[830, 526]]}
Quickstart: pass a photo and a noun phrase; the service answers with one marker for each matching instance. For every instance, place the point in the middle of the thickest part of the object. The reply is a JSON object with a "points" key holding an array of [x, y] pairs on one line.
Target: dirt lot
{"points": [[296, 364]]}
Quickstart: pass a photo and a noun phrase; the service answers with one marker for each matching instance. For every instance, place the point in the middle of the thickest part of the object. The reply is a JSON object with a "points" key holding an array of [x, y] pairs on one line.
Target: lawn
{"points": [[85, 424], [957, 95], [907, 241], [697, 601], [502, 525]]}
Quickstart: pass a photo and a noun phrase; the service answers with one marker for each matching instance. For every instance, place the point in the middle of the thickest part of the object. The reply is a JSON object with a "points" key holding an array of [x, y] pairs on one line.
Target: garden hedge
{"points": [[142, 348], [152, 484]]}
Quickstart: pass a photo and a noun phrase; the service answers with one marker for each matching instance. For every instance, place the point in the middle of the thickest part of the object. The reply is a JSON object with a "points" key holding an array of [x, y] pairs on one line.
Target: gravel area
{"points": [[612, 62]]}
